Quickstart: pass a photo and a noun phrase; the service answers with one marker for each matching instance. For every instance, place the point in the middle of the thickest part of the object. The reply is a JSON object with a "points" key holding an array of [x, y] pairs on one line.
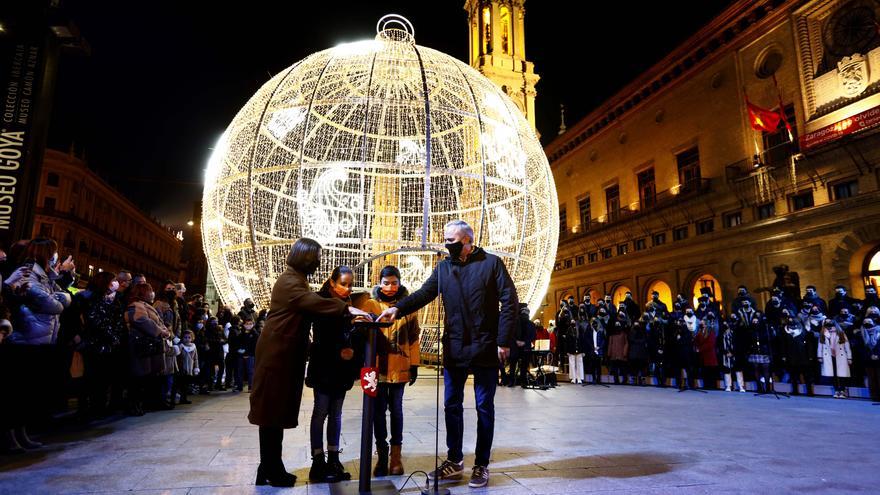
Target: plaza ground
{"points": [[570, 439]]}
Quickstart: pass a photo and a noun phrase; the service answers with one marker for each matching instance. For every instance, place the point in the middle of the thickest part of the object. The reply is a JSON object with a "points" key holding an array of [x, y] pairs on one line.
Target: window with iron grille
{"points": [[612, 202], [777, 146]]}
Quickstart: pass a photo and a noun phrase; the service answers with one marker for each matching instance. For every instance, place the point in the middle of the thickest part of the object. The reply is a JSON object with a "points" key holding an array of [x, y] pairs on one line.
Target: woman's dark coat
{"points": [[281, 350]]}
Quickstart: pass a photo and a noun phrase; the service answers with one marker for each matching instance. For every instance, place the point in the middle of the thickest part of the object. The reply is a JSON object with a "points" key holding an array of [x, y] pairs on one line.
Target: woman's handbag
{"points": [[146, 346]]}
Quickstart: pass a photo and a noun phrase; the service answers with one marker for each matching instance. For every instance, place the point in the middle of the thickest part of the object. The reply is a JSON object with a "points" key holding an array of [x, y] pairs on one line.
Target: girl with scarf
{"points": [[334, 364], [835, 355], [760, 352]]}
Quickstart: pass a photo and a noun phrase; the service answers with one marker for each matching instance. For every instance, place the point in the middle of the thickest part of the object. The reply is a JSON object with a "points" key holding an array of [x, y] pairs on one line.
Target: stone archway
{"points": [[848, 258]]}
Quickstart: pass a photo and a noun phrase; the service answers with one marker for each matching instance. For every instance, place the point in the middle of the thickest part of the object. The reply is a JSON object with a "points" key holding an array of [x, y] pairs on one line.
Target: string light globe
{"points": [[370, 148]]}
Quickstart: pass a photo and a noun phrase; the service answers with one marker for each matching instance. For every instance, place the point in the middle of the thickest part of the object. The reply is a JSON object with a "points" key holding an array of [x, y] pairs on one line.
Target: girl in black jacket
{"points": [[334, 365]]}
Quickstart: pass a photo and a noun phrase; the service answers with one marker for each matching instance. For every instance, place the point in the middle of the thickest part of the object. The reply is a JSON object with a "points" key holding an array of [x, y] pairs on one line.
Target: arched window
{"points": [[663, 289], [871, 268], [619, 294], [594, 295], [706, 280], [505, 31]]}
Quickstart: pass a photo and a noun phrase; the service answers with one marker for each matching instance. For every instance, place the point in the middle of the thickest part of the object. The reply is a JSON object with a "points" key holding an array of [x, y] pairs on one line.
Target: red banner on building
{"points": [[851, 125]]}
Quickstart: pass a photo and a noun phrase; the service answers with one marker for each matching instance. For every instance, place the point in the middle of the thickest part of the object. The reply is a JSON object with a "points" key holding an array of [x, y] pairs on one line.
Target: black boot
{"points": [[335, 470], [318, 472], [381, 468], [271, 470], [274, 476]]}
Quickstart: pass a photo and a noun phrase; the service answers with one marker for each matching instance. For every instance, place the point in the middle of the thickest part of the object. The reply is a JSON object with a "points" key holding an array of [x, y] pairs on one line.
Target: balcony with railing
{"points": [[663, 199]]}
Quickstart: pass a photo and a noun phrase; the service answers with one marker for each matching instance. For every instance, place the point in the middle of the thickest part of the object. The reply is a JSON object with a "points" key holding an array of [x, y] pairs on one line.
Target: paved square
{"points": [[570, 439]]}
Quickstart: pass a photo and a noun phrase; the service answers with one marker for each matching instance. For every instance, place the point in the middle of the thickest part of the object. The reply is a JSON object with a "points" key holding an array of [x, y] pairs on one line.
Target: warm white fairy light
{"points": [[335, 148]]}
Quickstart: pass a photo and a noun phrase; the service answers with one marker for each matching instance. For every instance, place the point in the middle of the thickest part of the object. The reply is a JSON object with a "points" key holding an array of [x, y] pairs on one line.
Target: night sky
{"points": [[164, 79]]}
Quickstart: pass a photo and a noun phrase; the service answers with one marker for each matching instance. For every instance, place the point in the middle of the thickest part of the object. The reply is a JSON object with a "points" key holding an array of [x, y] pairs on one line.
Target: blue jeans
{"points": [[485, 382], [389, 396], [327, 407], [244, 368]]}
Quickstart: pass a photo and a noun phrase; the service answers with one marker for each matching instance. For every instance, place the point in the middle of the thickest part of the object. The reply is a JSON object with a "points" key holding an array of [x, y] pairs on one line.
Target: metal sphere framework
{"points": [[370, 148]]}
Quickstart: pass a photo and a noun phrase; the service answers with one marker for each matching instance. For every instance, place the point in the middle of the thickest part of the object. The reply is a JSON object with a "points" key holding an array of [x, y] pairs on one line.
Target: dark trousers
{"points": [[519, 367], [794, 374], [389, 396], [873, 374], [232, 370], [244, 369], [485, 383], [328, 407], [593, 367], [709, 374], [99, 373], [270, 448]]}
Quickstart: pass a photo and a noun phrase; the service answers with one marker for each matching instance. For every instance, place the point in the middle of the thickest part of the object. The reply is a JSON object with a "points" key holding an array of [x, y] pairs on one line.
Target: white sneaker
{"points": [[727, 389], [743, 390]]}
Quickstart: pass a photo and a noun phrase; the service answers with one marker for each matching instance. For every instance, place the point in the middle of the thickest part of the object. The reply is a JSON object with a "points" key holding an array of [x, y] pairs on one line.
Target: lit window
{"points": [[733, 219]]}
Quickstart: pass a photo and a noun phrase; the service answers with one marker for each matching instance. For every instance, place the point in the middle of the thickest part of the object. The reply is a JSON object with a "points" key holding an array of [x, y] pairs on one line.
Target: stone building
{"points": [[96, 224], [667, 186]]}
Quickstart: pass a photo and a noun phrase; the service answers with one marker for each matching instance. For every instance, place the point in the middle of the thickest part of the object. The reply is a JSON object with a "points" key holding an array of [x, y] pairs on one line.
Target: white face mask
{"points": [[53, 261]]}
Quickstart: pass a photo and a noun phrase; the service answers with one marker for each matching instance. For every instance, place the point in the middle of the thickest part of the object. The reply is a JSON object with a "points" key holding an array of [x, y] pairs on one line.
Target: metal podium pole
{"points": [[364, 485]]}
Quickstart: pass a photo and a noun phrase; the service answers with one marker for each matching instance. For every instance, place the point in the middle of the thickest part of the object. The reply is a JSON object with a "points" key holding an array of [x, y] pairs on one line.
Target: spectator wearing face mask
{"points": [[742, 295], [840, 301], [632, 308], [187, 367], [248, 310], [835, 356], [106, 344], [871, 348], [870, 299], [335, 360], [796, 357], [811, 297], [658, 305], [618, 346], [146, 341], [244, 349], [690, 320]]}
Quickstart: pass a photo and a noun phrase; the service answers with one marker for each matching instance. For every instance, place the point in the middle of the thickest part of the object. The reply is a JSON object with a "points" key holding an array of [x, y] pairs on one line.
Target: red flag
{"points": [[782, 108], [762, 119]]}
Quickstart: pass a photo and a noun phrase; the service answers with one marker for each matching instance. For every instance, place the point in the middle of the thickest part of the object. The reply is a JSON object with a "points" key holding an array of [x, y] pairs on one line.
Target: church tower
{"points": [[498, 49]]}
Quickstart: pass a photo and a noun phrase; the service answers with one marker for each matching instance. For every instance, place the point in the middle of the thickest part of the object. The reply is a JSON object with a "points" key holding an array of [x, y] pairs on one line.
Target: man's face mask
{"points": [[741, 292], [747, 304], [689, 313], [571, 301], [811, 293], [455, 249], [871, 292], [840, 292], [655, 297]]}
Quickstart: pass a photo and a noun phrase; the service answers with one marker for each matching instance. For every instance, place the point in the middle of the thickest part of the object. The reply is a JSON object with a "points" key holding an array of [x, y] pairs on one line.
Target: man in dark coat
{"points": [[812, 297], [742, 295], [480, 319], [632, 308], [279, 370], [248, 310], [841, 300], [658, 305]]}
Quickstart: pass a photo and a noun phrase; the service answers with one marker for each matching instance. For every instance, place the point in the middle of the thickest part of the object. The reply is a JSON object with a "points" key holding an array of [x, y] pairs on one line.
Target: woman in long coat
{"points": [[279, 370]]}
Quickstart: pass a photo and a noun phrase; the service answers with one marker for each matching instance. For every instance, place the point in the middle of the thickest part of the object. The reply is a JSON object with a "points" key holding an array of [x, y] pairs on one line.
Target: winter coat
{"points": [[215, 339], [871, 345], [684, 347], [830, 346], [632, 309], [760, 340], [169, 315], [660, 308], [333, 340], [726, 342], [247, 341], [104, 328], [574, 338], [398, 346], [171, 352], [143, 321], [637, 342], [188, 359], [837, 303], [36, 317], [704, 343], [480, 308], [738, 302], [280, 363], [595, 340], [795, 348], [618, 342]]}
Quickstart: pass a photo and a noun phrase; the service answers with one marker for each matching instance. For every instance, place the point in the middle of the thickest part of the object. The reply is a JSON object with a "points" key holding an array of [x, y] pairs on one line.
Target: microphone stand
{"points": [[435, 489]]}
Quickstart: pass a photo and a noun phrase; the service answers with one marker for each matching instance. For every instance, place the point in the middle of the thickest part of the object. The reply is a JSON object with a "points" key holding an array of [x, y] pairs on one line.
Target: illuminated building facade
{"points": [[667, 187], [98, 225]]}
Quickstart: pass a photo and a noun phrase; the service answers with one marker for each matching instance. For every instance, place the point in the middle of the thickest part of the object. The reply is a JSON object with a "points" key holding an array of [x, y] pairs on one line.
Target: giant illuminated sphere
{"points": [[370, 148]]}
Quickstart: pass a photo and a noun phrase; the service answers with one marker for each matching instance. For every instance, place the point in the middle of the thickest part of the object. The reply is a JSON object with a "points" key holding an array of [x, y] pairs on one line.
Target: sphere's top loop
{"points": [[394, 27]]}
